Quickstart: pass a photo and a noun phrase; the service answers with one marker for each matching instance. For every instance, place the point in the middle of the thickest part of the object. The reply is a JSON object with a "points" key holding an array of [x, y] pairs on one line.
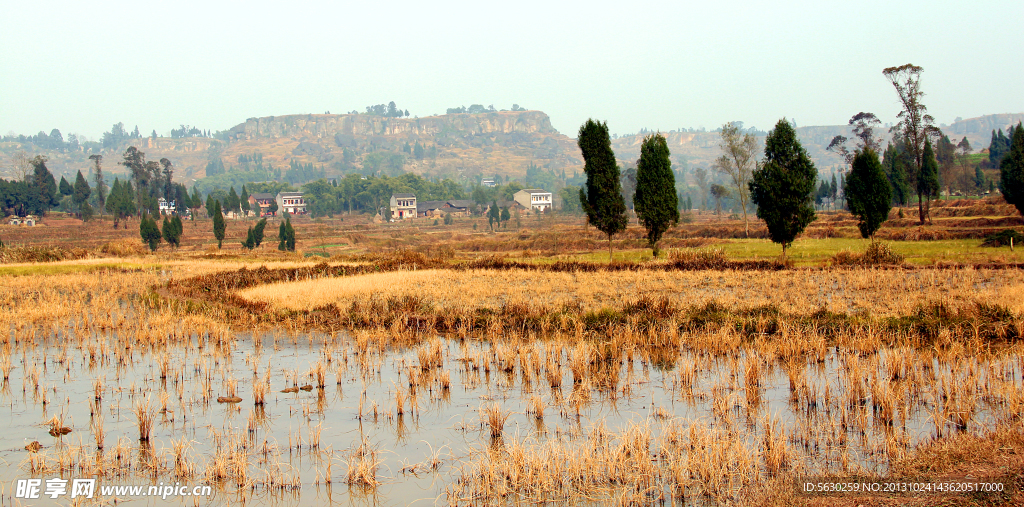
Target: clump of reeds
{"points": [[536, 407], [319, 372], [776, 453], [260, 389], [430, 355], [232, 392], [362, 467], [97, 430], [183, 467], [399, 401], [97, 389], [495, 419], [6, 366], [144, 419]]}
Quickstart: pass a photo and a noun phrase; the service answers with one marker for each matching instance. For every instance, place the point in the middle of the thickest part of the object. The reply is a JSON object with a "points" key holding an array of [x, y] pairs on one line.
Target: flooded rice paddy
{"points": [[632, 403], [346, 420]]}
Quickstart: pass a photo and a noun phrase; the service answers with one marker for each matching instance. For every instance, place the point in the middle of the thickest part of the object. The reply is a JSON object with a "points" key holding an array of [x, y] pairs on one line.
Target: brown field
{"points": [[881, 293]]}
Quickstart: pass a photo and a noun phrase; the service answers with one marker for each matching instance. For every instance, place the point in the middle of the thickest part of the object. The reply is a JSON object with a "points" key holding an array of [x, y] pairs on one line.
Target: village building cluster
{"points": [[405, 206]]}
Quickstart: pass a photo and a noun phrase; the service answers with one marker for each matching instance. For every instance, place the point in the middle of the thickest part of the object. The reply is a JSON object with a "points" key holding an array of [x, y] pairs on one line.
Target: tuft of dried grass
{"points": [[877, 254], [363, 464], [495, 418], [144, 420]]}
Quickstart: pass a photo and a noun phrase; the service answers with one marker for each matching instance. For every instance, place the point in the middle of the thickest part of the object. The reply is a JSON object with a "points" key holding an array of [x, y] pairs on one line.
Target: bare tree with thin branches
{"points": [[915, 125], [737, 162]]}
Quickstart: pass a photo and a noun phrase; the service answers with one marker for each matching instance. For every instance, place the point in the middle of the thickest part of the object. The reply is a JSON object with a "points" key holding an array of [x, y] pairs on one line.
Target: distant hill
{"points": [[458, 146], [700, 149], [454, 145]]}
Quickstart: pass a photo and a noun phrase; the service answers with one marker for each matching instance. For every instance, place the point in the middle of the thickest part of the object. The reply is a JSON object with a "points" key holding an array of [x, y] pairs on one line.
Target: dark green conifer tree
{"points": [[867, 192], [1011, 169], [290, 235], [64, 187], [150, 232], [233, 202], [258, 230], [601, 197], [218, 223], [895, 169], [250, 240], [493, 215], [655, 202], [44, 184], [783, 186], [81, 191], [928, 180]]}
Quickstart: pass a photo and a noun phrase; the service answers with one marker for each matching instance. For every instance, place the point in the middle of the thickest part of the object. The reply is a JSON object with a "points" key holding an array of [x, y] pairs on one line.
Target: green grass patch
{"points": [[817, 252]]}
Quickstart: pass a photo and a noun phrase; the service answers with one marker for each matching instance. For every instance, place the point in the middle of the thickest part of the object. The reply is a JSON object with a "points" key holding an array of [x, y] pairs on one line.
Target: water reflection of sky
{"points": [[447, 426]]}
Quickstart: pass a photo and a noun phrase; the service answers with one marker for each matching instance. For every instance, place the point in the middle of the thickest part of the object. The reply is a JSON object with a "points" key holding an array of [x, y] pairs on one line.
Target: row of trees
{"points": [[781, 185], [388, 111], [152, 234], [601, 197], [372, 193], [36, 194]]}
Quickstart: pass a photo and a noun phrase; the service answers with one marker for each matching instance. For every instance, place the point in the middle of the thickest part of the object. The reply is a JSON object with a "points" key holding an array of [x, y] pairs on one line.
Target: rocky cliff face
{"points": [[328, 125], [466, 144]]}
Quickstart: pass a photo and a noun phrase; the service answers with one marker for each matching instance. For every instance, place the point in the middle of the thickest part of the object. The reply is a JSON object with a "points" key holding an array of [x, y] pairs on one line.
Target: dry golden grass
{"points": [[741, 449], [882, 292]]}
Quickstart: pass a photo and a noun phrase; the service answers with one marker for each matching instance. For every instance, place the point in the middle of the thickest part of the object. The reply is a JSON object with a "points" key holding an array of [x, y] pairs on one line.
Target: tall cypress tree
{"points": [[244, 200], [218, 223], [64, 187], [1011, 169], [895, 168], [290, 234], [81, 191], [233, 201], [150, 232], [257, 231], [867, 191], [782, 188], [928, 180], [656, 202], [601, 197], [44, 184]]}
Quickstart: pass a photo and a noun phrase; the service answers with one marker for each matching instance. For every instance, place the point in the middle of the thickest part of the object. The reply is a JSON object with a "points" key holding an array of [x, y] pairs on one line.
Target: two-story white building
{"points": [[534, 199], [166, 207], [403, 206], [291, 203]]}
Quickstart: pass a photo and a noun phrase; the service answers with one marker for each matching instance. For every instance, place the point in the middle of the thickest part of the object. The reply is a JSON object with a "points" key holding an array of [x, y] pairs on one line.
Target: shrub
{"points": [[123, 248], [877, 253], [1002, 238]]}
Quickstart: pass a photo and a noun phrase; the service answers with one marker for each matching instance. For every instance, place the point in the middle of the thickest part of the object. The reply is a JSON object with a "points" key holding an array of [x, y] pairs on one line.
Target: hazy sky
{"points": [[83, 66]]}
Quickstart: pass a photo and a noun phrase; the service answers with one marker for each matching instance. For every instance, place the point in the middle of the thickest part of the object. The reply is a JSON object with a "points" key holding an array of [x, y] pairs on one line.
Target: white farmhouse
{"points": [[403, 206], [534, 199], [291, 203]]}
